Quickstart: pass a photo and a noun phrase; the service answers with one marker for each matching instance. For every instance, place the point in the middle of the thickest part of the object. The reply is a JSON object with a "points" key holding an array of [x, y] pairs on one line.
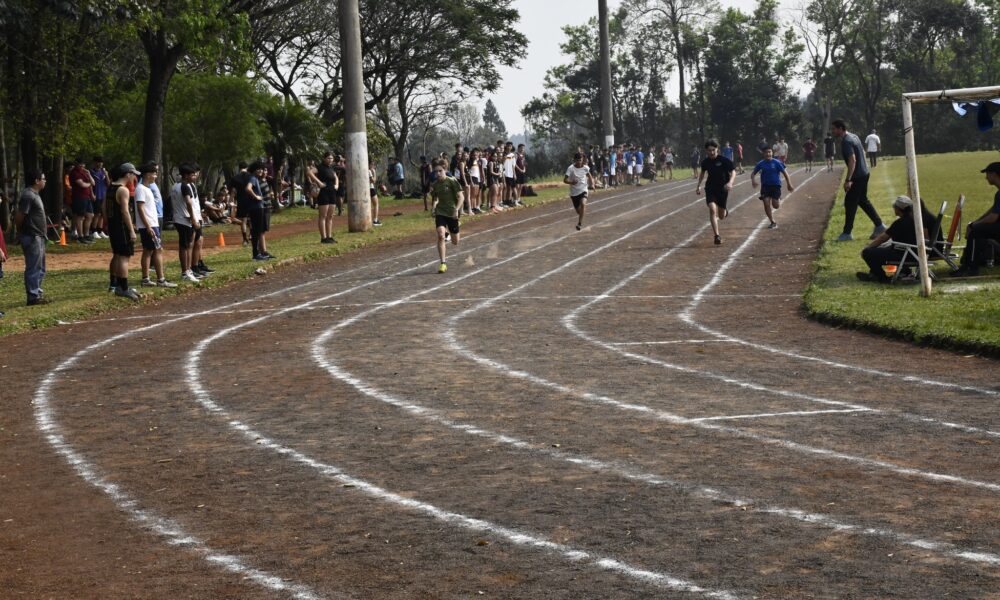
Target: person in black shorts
{"points": [[328, 183], [121, 230], [719, 173], [580, 179], [448, 199]]}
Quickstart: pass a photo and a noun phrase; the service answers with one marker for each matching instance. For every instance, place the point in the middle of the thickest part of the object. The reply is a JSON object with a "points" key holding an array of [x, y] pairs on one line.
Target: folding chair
{"points": [[937, 249]]}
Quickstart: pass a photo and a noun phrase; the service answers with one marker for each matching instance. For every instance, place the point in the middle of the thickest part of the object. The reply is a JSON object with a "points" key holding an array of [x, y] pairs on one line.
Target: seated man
{"points": [[987, 227], [902, 231]]}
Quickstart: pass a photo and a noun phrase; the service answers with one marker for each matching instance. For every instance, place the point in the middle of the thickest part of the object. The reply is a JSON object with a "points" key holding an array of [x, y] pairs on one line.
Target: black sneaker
{"points": [[965, 271], [39, 300], [260, 257], [718, 240], [204, 268], [269, 256]]}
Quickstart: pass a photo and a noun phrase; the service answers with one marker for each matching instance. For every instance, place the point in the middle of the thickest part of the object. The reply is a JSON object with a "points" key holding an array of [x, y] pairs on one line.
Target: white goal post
{"points": [[913, 183]]}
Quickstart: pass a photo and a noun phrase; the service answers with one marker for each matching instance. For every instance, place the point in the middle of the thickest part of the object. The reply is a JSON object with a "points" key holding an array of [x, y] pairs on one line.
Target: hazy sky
{"points": [[542, 22]]}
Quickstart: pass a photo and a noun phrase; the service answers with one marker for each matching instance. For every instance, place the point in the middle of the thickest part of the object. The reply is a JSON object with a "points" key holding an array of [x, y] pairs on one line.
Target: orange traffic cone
{"points": [[62, 237], [222, 240]]}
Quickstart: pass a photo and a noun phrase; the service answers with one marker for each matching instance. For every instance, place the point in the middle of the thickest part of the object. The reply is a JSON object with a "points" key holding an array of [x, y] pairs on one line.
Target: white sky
{"points": [[542, 22]]}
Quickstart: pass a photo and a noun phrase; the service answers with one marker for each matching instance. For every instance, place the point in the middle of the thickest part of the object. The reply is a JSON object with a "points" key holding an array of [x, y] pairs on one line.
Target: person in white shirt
{"points": [[148, 225], [580, 180], [509, 160], [873, 145]]}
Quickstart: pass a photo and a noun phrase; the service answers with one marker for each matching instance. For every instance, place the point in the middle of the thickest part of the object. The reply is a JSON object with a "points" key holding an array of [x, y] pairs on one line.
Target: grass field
{"points": [[82, 293], [963, 313]]}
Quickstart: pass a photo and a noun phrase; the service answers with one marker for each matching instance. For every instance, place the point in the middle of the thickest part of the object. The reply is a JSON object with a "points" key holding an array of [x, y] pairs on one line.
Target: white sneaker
{"points": [[189, 276], [163, 283]]}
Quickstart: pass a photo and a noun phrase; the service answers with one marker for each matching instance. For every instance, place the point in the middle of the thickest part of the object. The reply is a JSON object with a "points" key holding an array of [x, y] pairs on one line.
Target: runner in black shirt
{"points": [[720, 172]]}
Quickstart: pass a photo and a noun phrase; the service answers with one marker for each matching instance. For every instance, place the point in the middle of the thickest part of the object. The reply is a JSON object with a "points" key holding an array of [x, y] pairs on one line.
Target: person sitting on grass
{"points": [[879, 252], [982, 231]]}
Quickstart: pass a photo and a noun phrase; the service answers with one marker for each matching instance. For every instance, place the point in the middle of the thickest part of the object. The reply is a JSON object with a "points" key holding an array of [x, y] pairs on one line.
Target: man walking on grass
{"points": [[856, 183]]}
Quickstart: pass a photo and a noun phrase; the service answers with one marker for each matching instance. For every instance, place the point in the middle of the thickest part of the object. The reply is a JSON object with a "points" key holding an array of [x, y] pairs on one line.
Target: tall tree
{"points": [[678, 18], [492, 120]]}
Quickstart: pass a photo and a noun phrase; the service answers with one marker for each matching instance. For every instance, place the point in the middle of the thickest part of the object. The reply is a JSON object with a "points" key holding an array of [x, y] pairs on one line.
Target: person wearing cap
{"points": [[121, 230], [979, 232], [879, 252]]}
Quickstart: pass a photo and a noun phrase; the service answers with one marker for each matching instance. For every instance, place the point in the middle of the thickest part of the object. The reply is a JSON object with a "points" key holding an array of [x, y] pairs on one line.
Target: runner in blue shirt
{"points": [[771, 171]]}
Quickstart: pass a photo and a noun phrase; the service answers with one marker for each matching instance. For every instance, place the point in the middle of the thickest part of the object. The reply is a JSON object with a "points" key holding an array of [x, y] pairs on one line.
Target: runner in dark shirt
{"points": [[720, 172]]}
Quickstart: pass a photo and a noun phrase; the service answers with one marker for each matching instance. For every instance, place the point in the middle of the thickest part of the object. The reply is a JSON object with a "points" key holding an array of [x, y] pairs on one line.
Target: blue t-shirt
{"points": [[627, 157], [770, 171], [613, 158], [399, 171], [728, 152], [100, 183], [158, 198], [639, 157], [996, 203]]}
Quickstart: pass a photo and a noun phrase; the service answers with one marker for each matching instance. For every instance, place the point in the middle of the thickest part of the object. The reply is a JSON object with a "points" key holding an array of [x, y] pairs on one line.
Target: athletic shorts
{"points": [[327, 196], [520, 178], [809, 156], [475, 182], [98, 206], [83, 206], [720, 197], [578, 199], [150, 239], [186, 235], [638, 168], [770, 191], [121, 245], [510, 181], [613, 171], [630, 167], [449, 223]]}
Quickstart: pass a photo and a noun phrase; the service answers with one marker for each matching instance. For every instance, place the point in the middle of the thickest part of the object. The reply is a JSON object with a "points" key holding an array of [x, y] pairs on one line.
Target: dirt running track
{"points": [[623, 412]]}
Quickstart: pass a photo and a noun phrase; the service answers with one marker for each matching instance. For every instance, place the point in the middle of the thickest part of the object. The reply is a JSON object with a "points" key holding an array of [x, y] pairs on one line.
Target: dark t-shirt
{"points": [[828, 146], [902, 231], [326, 174], [30, 205], [996, 203], [852, 145], [719, 170], [80, 174]]}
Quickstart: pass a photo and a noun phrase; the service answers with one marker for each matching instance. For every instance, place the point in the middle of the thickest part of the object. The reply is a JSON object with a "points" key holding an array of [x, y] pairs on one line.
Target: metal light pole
{"points": [[607, 117], [359, 213]]}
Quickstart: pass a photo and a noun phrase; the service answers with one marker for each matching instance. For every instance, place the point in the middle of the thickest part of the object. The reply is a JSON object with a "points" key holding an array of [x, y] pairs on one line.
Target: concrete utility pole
{"points": [[607, 116], [359, 210]]}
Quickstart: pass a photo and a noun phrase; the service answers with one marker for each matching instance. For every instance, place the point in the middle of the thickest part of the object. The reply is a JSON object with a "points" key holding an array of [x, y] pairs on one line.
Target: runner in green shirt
{"points": [[448, 200]]}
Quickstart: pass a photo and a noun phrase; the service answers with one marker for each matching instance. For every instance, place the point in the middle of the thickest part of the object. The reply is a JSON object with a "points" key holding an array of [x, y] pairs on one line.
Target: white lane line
{"points": [[170, 529], [167, 528], [203, 397], [687, 316], [668, 342], [628, 472], [795, 413], [568, 320]]}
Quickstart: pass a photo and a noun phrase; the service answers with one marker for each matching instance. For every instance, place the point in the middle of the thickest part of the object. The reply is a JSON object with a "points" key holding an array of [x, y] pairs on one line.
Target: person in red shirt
{"points": [[82, 201], [809, 149]]}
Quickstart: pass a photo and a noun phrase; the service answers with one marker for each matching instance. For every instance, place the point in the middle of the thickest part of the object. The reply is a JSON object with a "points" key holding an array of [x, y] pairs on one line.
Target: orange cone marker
{"points": [[62, 237], [222, 240]]}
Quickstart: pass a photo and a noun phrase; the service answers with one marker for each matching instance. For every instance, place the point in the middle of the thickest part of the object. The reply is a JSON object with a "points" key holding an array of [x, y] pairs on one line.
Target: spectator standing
{"points": [[82, 199], [856, 183], [326, 180], [425, 180], [121, 229], [148, 224], [739, 157], [695, 162], [398, 180], [874, 145], [521, 172], [99, 176], [373, 192], [30, 222]]}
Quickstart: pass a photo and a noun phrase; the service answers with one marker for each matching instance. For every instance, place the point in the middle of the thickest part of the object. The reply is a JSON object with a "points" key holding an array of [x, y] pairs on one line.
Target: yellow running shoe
{"points": [[443, 268]]}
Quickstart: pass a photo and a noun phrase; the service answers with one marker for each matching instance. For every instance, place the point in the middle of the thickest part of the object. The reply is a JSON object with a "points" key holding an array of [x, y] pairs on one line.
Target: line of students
{"points": [[492, 179]]}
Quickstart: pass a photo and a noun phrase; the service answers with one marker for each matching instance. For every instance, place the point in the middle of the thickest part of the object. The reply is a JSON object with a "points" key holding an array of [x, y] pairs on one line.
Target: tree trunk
{"points": [[680, 80], [163, 61]]}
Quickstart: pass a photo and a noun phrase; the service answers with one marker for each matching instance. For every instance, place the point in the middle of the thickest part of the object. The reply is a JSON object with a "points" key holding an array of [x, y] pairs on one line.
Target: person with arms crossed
{"points": [[148, 224], [719, 173]]}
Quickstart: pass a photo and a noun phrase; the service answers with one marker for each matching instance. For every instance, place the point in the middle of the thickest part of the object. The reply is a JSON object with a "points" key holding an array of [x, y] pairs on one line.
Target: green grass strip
{"points": [[962, 314]]}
